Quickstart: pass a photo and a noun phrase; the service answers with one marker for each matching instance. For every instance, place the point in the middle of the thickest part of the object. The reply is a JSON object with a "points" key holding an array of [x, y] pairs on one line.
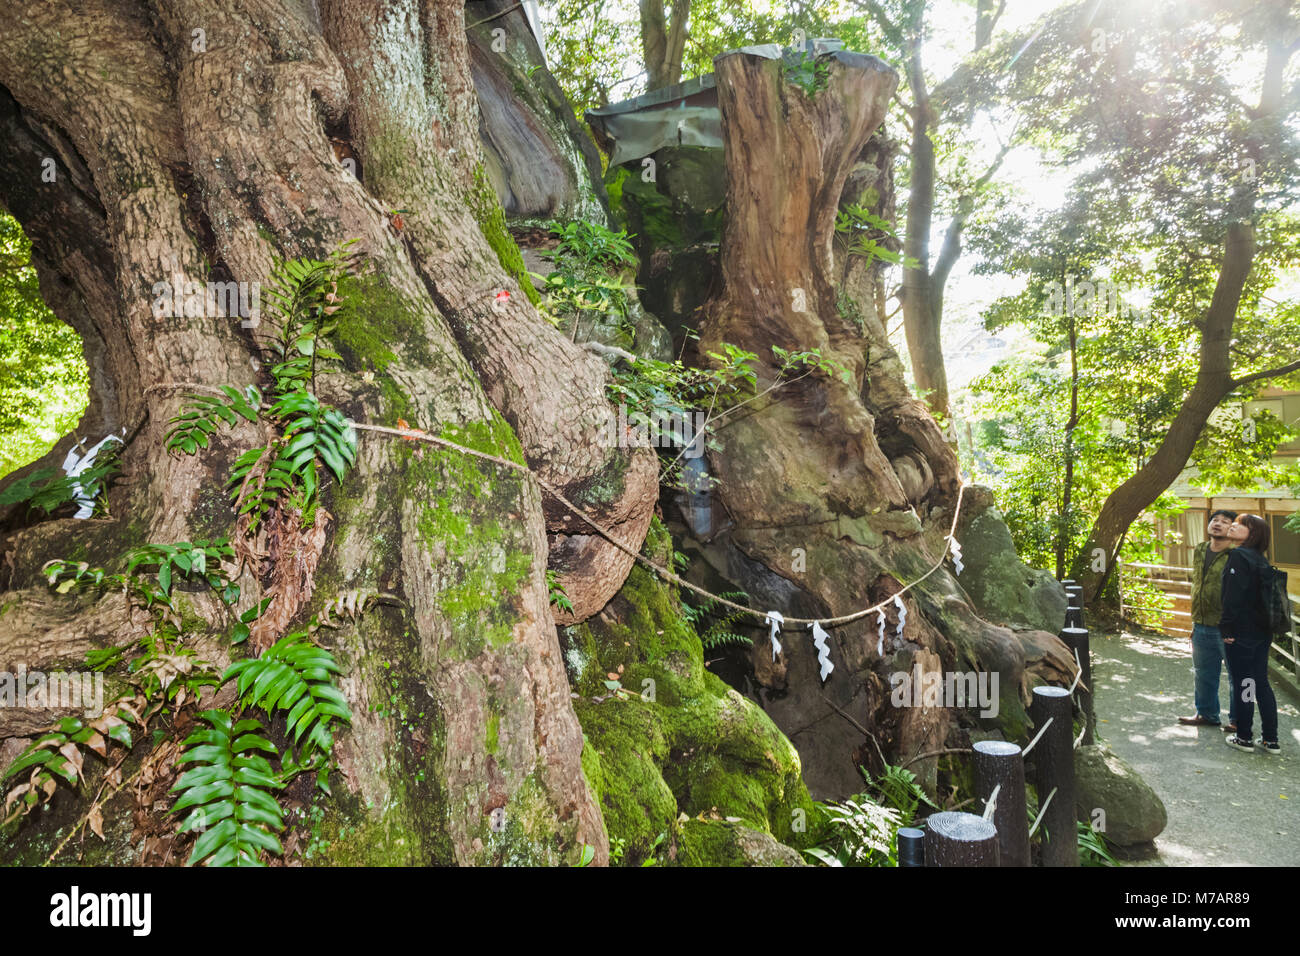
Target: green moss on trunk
{"points": [[684, 742], [491, 219]]}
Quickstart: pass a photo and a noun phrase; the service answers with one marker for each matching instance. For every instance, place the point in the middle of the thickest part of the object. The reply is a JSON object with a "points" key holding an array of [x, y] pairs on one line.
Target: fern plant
{"points": [[556, 592], [229, 792], [56, 755], [198, 417], [897, 788], [301, 300], [719, 621], [48, 489], [295, 676], [862, 833]]}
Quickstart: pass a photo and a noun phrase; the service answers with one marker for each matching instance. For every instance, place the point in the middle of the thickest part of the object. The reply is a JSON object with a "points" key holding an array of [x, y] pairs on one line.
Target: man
{"points": [[1208, 562]]}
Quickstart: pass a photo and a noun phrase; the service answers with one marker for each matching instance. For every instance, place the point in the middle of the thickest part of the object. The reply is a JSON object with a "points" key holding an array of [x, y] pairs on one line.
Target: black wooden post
{"points": [[960, 839], [1000, 766], [911, 847], [1053, 758], [1076, 639]]}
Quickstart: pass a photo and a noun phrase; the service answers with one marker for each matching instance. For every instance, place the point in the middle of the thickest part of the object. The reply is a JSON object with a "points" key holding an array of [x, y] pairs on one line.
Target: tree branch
{"points": [[890, 29], [1267, 373]]}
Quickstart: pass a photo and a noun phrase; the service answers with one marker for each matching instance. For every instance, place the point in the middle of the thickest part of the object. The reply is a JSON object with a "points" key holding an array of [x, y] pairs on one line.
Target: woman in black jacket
{"points": [[1246, 634]]}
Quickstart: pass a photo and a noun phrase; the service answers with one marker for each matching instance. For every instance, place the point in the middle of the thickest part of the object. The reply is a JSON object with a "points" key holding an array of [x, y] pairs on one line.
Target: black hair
{"points": [[1230, 515]]}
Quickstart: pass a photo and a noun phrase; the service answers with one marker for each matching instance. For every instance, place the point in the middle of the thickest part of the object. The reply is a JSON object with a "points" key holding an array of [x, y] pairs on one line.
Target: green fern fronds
{"points": [[897, 788], [230, 793], [718, 633], [198, 417], [301, 296], [318, 431], [714, 638], [296, 676]]}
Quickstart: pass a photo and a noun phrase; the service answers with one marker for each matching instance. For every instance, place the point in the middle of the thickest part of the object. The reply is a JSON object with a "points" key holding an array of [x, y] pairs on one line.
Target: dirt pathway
{"points": [[1226, 808]]}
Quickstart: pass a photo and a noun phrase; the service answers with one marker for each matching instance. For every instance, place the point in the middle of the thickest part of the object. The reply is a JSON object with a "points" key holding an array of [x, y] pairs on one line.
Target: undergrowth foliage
{"points": [[714, 622], [236, 768]]}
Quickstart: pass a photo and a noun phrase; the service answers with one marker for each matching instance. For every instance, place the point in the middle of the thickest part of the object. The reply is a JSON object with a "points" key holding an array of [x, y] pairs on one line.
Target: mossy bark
{"points": [[191, 162], [676, 740]]}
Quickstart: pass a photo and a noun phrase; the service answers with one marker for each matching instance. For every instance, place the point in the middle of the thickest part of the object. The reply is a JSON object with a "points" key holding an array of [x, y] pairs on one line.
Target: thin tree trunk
{"points": [[1214, 381], [663, 40], [1063, 521]]}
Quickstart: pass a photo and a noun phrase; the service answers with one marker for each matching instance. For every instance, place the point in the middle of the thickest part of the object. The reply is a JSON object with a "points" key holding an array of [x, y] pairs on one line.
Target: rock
{"points": [[651, 340], [1134, 815], [1003, 588], [725, 843]]}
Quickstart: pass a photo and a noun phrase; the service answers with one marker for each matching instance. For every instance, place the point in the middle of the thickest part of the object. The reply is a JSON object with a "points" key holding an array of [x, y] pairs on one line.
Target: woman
{"points": [[1246, 633]]}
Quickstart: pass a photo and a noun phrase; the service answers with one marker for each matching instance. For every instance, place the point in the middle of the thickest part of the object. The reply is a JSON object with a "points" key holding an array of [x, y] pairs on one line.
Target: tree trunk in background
{"points": [[922, 292], [196, 134], [1214, 381], [663, 39]]}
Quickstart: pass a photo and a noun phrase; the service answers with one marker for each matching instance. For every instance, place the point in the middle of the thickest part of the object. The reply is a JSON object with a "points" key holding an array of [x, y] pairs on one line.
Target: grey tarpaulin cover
{"points": [[682, 115]]}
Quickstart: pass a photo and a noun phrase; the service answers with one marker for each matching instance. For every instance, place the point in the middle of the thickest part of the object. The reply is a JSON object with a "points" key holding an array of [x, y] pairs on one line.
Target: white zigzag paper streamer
{"points": [[823, 652], [880, 644], [956, 553], [902, 614], [775, 619]]}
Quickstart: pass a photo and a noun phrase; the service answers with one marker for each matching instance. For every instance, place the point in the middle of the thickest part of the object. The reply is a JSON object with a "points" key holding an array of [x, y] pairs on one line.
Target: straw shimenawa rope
{"points": [[410, 433]]}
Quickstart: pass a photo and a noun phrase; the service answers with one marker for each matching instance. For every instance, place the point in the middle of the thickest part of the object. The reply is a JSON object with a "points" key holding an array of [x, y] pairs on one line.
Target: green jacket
{"points": [[1207, 591]]}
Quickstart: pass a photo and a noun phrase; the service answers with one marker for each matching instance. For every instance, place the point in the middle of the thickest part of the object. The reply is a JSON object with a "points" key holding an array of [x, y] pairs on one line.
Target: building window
{"points": [[1286, 544]]}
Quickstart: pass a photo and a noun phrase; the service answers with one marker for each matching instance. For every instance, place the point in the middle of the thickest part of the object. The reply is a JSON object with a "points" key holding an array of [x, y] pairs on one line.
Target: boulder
{"points": [[728, 843], [1003, 588], [1134, 815]]}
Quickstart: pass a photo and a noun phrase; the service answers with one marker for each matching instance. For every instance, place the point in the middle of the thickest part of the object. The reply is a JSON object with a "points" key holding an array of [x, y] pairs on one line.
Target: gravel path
{"points": [[1226, 808]]}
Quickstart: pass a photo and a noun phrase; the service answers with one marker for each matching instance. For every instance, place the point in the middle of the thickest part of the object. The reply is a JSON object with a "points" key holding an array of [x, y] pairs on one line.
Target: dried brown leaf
{"points": [[73, 753], [15, 793], [98, 744]]}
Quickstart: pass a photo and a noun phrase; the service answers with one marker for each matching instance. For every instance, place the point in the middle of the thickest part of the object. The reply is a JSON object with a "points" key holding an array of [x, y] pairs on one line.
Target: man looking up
{"points": [[1208, 561]]}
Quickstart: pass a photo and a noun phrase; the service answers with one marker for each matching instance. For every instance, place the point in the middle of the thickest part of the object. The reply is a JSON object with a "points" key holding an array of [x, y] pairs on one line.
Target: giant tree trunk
{"points": [[835, 492], [194, 138]]}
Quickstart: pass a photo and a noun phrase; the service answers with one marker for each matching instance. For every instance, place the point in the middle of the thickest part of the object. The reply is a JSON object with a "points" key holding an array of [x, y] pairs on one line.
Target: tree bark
{"points": [[177, 149], [663, 39], [833, 492]]}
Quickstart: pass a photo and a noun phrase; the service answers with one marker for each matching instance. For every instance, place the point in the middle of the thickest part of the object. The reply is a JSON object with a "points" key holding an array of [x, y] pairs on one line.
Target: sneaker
{"points": [[1267, 747], [1237, 743]]}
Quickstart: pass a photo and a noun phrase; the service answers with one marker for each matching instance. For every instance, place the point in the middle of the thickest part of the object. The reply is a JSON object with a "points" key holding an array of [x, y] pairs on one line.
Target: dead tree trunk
{"points": [[839, 488]]}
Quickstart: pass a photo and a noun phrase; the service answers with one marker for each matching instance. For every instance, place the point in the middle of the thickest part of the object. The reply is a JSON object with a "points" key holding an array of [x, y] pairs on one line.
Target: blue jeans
{"points": [[1207, 652]]}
